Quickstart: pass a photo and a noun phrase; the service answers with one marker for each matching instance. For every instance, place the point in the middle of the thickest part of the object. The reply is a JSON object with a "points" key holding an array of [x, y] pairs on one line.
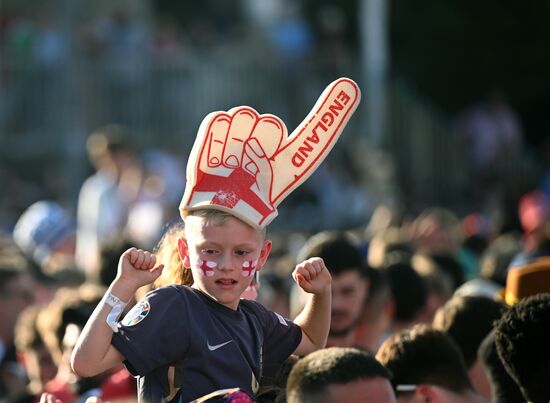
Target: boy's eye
{"points": [[241, 252], [208, 251]]}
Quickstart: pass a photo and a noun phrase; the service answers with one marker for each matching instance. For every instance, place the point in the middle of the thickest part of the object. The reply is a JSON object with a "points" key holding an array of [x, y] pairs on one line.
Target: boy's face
{"points": [[223, 257]]}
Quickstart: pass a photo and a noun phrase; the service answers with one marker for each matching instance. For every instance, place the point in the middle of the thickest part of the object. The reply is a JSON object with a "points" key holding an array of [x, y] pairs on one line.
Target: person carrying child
{"points": [[184, 342]]}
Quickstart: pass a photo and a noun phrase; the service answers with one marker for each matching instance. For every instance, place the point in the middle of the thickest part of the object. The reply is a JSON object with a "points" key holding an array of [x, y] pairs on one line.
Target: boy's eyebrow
{"points": [[248, 245]]}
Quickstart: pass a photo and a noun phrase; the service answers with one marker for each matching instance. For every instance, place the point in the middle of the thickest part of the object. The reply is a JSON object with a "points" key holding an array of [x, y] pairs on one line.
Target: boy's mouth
{"points": [[226, 281]]}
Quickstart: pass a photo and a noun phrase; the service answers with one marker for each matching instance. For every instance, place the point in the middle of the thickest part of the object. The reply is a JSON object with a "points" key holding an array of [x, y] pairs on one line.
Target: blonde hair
{"points": [[167, 253], [217, 217]]}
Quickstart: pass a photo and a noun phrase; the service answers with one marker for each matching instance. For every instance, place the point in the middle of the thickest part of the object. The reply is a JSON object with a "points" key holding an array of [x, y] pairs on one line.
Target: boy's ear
{"points": [[264, 254], [183, 251]]}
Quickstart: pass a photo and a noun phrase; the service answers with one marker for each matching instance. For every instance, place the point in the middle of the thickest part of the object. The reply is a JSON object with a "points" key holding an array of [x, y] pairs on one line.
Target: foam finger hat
{"points": [[246, 164]]}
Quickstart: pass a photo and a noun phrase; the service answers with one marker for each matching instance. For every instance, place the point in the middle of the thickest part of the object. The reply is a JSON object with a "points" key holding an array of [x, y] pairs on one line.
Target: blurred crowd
{"points": [[429, 304], [435, 277]]}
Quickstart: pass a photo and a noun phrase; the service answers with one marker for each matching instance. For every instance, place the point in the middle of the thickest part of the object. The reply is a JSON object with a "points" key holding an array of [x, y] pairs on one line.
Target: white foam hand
{"points": [[246, 163]]}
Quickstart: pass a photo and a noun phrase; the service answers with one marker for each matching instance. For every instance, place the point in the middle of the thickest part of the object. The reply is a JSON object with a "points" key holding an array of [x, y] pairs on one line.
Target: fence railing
{"points": [[46, 115]]}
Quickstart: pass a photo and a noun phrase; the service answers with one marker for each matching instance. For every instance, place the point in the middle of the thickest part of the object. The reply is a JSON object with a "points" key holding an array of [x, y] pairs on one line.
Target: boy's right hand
{"points": [[136, 268]]}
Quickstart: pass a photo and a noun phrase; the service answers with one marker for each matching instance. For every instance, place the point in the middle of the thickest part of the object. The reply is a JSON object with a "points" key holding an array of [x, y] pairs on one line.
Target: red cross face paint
{"points": [[206, 267], [249, 268]]}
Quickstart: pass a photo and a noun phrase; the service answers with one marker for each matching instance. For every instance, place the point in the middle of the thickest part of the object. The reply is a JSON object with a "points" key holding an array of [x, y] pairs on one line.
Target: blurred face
{"points": [[223, 257], [373, 390], [16, 295], [349, 291]]}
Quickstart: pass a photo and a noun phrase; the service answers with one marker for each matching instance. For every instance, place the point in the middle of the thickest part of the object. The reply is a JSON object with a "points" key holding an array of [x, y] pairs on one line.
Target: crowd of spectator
{"points": [[422, 306], [432, 305]]}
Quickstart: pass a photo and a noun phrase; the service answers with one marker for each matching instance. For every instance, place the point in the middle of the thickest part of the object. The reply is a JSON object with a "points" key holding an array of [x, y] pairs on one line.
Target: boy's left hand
{"points": [[312, 276]]}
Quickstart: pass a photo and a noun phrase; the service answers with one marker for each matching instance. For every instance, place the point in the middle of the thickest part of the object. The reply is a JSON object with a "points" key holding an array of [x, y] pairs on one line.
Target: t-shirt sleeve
{"points": [[281, 338], [153, 334]]}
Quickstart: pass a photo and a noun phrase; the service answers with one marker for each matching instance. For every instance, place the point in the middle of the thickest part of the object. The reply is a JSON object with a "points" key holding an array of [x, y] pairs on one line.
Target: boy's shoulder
{"points": [[264, 313], [169, 293]]}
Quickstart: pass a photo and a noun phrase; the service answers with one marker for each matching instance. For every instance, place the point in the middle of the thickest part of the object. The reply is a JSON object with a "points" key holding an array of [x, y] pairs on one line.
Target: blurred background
{"points": [[453, 114], [441, 179]]}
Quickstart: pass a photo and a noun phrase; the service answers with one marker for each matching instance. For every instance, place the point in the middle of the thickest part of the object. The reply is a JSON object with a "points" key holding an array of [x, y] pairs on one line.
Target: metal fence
{"points": [[46, 115]]}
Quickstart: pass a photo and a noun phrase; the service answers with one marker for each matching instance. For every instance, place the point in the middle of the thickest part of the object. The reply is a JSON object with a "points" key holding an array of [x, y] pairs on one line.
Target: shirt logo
{"points": [[281, 319], [215, 347], [137, 313]]}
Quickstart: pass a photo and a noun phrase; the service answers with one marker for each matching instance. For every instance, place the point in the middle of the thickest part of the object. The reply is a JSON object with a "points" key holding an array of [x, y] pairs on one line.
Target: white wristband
{"points": [[117, 307]]}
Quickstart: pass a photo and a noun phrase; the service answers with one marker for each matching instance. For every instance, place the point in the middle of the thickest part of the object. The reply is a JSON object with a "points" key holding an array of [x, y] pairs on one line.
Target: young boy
{"points": [[189, 341]]}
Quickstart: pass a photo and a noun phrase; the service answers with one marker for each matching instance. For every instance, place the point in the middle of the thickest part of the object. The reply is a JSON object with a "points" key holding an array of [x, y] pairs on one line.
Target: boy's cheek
{"points": [[205, 267], [248, 268]]}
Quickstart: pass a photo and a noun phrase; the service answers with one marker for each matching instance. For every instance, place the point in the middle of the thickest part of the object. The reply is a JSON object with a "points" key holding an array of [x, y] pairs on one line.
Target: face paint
{"points": [[207, 267], [249, 268]]}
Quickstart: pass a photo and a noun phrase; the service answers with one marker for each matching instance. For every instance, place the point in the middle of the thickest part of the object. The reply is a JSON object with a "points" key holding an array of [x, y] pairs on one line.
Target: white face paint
{"points": [[206, 267], [249, 268]]}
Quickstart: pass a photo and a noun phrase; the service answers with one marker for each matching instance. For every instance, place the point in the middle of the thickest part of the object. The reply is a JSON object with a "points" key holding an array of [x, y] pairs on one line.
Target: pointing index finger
{"points": [[310, 143]]}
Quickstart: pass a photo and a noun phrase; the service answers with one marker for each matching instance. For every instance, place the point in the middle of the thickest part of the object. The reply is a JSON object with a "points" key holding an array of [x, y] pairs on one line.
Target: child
{"points": [[205, 337]]}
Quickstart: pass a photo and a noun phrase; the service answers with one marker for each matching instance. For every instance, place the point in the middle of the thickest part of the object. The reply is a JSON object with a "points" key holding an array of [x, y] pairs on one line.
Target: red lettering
{"points": [[305, 148], [343, 97], [336, 107], [314, 139], [322, 126], [328, 118], [297, 160]]}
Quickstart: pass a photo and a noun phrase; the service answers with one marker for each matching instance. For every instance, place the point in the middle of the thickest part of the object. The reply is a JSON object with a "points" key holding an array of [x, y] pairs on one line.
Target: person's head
{"points": [[339, 374], [378, 313], [32, 351], [409, 293], [16, 287], [108, 148], [468, 320], [439, 286], [386, 242], [521, 338], [346, 265], [497, 257], [426, 364], [534, 211], [109, 256], [223, 253], [47, 234], [437, 230], [503, 387]]}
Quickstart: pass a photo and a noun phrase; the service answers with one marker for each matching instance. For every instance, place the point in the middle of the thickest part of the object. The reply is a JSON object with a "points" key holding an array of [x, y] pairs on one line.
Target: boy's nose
{"points": [[227, 263]]}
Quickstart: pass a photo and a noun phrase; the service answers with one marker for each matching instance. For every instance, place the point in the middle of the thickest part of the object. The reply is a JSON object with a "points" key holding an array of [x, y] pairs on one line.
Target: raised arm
{"points": [[314, 278], [93, 352]]}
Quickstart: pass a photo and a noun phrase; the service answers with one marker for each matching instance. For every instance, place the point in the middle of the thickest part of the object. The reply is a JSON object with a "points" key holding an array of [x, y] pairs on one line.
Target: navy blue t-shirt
{"points": [[210, 346]]}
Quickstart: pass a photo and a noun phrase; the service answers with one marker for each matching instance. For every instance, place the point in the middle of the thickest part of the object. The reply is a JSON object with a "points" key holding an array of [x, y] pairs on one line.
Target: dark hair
{"points": [[408, 290], [339, 252], [311, 375], [450, 265], [109, 256], [423, 355], [503, 388], [468, 320], [521, 338], [498, 256]]}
